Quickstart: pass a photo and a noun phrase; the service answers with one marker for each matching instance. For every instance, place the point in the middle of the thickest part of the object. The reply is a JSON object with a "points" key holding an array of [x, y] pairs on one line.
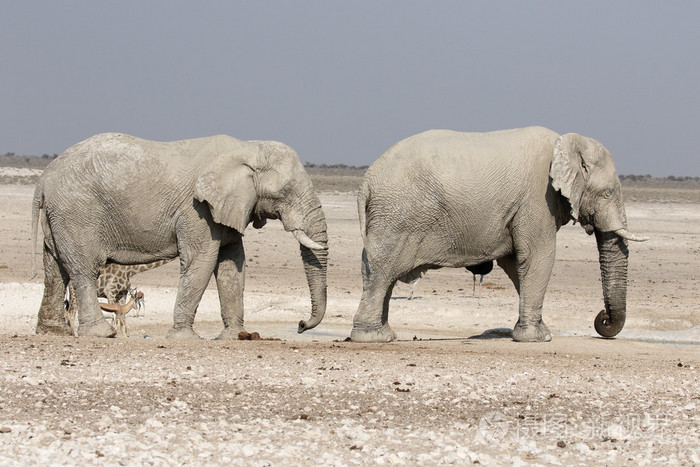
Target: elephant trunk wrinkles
{"points": [[613, 254], [315, 265]]}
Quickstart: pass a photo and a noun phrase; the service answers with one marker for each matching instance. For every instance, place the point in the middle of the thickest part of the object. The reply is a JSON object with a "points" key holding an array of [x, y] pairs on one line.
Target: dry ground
{"points": [[447, 396]]}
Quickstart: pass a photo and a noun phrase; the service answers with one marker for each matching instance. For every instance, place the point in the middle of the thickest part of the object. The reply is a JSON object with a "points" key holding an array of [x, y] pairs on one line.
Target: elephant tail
{"points": [[363, 197], [37, 205]]}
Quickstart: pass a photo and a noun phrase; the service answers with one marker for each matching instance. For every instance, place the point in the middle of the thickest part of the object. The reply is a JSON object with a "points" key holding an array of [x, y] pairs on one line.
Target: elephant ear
{"points": [[569, 170], [229, 192]]}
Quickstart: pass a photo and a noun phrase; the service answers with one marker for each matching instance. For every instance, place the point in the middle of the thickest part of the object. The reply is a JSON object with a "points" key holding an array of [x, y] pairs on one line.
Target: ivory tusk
{"points": [[306, 241], [630, 236]]}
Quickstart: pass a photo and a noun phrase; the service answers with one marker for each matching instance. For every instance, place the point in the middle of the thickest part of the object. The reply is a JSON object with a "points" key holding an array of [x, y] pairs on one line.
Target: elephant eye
{"points": [[608, 192]]}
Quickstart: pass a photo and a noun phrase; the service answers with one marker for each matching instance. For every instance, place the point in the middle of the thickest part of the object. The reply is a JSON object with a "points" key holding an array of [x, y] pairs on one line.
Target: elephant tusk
{"points": [[306, 241], [630, 236]]}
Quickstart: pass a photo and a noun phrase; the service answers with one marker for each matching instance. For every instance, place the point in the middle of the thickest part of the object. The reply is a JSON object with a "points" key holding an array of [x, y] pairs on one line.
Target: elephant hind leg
{"points": [[371, 322], [91, 321], [52, 316], [510, 266]]}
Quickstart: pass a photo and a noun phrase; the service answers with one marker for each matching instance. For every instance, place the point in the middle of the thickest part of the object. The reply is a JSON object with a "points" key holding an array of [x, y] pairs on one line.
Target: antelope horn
{"points": [[111, 307], [118, 309]]}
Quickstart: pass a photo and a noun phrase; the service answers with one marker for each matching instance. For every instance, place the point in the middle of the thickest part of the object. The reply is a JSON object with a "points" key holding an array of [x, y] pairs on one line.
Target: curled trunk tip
{"points": [[608, 327]]}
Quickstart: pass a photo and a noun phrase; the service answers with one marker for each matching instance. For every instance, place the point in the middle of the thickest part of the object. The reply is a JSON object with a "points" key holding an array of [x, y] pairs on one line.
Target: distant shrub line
{"points": [[311, 165], [649, 178], [10, 159]]}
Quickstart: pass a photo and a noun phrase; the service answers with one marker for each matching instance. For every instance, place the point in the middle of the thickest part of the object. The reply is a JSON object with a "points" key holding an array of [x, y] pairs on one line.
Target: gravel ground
{"points": [[486, 401]]}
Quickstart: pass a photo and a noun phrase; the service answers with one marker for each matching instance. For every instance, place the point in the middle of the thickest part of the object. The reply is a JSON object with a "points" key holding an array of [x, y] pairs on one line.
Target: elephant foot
{"points": [[532, 333], [99, 329], [230, 333], [183, 333], [56, 328], [381, 334]]}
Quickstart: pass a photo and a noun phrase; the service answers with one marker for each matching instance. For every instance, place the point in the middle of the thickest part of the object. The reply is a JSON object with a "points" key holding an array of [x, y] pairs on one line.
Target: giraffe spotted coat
{"points": [[114, 280]]}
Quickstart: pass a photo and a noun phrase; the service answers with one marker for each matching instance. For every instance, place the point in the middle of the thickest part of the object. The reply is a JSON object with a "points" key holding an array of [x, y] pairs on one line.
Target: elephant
{"points": [[453, 199], [191, 199]]}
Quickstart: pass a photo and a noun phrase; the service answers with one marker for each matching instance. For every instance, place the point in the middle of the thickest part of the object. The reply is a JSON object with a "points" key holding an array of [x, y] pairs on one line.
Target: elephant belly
{"points": [[139, 257], [463, 254], [458, 243], [138, 245]]}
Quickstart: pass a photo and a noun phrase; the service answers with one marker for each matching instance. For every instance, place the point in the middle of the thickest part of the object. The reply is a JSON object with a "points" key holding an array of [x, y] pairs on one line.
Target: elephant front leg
{"points": [[371, 322], [194, 278], [533, 275], [52, 315], [230, 282]]}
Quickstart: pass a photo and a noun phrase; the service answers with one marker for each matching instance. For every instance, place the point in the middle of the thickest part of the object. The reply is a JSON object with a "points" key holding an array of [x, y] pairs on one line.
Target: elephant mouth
{"points": [[258, 221], [586, 222]]}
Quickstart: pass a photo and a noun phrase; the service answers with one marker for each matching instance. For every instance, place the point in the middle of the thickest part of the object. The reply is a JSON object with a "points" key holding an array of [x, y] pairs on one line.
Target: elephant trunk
{"points": [[309, 228], [613, 254], [315, 266]]}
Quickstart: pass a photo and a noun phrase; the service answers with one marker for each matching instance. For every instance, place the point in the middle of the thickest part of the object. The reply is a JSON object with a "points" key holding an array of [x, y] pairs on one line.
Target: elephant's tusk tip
{"points": [[630, 236], [304, 239]]}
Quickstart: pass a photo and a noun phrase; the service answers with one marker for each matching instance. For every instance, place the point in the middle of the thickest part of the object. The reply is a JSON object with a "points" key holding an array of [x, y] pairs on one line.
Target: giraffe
{"points": [[114, 284]]}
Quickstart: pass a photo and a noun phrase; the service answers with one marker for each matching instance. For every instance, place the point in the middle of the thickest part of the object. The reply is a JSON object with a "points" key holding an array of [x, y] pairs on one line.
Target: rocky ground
{"points": [[489, 401], [450, 391]]}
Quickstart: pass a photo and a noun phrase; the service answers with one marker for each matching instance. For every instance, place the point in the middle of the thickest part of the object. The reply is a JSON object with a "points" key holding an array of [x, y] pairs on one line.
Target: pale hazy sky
{"points": [[340, 82]]}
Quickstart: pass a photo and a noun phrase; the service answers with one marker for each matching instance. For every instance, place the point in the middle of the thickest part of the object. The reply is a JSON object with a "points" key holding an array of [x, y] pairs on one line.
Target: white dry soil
{"points": [[451, 390]]}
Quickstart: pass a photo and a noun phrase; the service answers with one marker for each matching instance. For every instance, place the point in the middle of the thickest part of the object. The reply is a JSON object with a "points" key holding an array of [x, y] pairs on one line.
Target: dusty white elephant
{"points": [[450, 199], [190, 199]]}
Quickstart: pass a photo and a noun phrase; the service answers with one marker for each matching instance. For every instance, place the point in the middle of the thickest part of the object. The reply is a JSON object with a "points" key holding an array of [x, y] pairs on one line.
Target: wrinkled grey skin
{"points": [[190, 199], [450, 199]]}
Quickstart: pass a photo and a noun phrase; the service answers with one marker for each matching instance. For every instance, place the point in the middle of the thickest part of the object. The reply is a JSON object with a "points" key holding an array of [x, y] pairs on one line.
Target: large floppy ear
{"points": [[569, 171], [228, 188]]}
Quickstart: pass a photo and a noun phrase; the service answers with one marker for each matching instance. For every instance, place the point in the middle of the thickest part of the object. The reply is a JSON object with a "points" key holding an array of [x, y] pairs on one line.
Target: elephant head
{"points": [[584, 172], [259, 180]]}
